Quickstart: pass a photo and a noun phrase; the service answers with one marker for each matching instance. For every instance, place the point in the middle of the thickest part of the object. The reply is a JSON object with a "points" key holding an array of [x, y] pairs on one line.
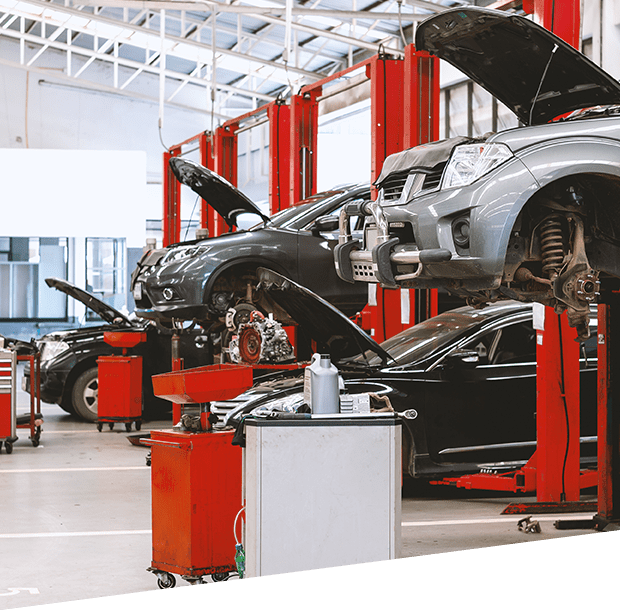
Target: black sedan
{"points": [[464, 381], [69, 376], [204, 279]]}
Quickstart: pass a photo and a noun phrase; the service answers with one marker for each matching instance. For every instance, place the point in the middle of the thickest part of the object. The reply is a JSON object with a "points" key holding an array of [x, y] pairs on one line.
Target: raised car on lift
{"points": [[528, 213], [463, 381], [205, 278]]}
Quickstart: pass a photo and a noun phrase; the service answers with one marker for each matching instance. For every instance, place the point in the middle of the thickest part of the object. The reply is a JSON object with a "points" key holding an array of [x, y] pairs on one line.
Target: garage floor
{"points": [[76, 515]]}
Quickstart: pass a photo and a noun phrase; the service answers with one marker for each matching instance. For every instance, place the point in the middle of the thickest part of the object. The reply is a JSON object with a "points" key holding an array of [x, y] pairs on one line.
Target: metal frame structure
{"points": [[239, 54]]}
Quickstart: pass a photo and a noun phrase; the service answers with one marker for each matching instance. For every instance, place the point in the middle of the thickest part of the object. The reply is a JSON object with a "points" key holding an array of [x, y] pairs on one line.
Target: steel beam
{"points": [[279, 156], [304, 123]]}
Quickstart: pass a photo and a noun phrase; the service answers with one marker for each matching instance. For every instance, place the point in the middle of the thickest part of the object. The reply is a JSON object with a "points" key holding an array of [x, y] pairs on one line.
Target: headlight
{"points": [[137, 292], [471, 161], [52, 349]]}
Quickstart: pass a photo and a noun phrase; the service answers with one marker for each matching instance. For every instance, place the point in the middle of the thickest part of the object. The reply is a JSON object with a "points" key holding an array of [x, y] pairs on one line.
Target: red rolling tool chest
{"points": [[196, 480], [195, 497], [8, 372], [120, 382]]}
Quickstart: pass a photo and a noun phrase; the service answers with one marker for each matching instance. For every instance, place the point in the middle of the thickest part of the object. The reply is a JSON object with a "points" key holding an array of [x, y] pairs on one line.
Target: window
{"points": [[509, 345], [105, 271], [25, 262]]}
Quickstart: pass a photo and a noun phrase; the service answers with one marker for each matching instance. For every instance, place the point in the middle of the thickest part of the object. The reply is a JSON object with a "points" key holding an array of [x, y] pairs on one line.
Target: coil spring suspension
{"points": [[552, 244]]}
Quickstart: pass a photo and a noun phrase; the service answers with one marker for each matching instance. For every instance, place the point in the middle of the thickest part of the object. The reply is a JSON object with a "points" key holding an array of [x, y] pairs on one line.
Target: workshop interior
{"points": [[291, 285]]}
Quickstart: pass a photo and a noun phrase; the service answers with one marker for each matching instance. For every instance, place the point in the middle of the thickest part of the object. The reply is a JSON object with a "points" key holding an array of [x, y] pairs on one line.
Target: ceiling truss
{"points": [[207, 56]]}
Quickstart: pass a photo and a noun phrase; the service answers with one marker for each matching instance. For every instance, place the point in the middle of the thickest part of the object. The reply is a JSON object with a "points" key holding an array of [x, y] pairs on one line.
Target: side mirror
{"points": [[327, 224], [463, 357]]}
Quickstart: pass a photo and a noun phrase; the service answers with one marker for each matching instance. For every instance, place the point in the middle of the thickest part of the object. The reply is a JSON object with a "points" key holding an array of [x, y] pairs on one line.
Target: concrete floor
{"points": [[76, 515]]}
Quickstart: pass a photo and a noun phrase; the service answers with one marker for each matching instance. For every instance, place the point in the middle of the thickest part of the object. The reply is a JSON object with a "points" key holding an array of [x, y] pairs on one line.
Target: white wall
{"points": [[69, 193]]}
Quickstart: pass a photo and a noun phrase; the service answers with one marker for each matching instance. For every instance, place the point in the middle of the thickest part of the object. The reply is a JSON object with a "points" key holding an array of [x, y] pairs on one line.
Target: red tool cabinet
{"points": [[8, 371], [196, 495], [196, 480], [119, 396]]}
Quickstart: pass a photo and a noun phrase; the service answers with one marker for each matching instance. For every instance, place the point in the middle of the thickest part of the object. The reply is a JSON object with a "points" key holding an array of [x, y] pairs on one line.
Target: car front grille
{"points": [[410, 183]]}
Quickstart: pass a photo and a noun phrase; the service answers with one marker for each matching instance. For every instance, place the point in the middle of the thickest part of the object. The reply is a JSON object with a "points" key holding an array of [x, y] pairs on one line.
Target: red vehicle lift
{"points": [[554, 470], [119, 397], [195, 480]]}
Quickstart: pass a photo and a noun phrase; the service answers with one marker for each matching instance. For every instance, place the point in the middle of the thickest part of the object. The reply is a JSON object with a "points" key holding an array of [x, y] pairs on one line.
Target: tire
{"points": [[84, 395]]}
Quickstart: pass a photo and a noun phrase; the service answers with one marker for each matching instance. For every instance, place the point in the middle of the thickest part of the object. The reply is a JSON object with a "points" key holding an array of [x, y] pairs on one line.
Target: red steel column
{"points": [[386, 108], [608, 409], [172, 202], [557, 410], [279, 115], [554, 406], [225, 162], [561, 18], [207, 158], [304, 129], [421, 125]]}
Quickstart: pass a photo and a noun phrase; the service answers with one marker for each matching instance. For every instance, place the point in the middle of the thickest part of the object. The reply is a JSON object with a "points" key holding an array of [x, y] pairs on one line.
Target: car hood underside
{"points": [[532, 71]]}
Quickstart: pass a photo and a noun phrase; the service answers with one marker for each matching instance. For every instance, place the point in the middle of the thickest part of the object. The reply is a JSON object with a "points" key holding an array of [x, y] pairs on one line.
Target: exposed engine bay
{"points": [[260, 340]]}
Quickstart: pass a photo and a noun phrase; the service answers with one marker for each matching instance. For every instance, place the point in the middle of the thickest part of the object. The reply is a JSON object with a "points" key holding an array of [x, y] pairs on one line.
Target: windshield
{"points": [[423, 340], [297, 215]]}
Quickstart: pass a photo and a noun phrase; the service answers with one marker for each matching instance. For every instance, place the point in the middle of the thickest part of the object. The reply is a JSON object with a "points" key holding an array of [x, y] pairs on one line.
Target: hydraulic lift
{"points": [[554, 469]]}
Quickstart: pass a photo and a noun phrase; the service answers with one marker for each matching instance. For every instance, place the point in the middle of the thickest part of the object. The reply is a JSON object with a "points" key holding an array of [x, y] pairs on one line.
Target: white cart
{"points": [[321, 492]]}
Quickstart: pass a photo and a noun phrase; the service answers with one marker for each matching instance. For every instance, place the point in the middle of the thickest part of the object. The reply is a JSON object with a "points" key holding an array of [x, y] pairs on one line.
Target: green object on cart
{"points": [[240, 559]]}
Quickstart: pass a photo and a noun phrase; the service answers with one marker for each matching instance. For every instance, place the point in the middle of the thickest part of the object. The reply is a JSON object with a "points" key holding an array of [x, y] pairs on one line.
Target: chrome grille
{"points": [[363, 272]]}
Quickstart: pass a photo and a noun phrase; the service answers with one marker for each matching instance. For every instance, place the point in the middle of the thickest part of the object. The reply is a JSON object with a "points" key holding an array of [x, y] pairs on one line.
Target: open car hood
{"points": [[220, 194], [103, 310], [331, 329], [507, 55]]}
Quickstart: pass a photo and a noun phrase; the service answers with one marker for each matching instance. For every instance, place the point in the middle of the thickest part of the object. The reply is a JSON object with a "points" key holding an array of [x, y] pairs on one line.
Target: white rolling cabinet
{"points": [[321, 492]]}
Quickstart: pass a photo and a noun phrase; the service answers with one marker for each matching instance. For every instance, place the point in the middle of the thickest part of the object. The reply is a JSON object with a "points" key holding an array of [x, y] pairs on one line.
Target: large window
{"points": [[25, 262], [105, 271], [466, 109]]}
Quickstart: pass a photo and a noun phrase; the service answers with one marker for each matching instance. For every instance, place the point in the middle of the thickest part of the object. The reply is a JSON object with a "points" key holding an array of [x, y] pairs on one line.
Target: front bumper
{"points": [[414, 245]]}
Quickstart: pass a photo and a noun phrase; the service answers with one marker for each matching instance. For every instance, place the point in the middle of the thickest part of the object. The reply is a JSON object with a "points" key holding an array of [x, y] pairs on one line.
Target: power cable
{"points": [[563, 392]]}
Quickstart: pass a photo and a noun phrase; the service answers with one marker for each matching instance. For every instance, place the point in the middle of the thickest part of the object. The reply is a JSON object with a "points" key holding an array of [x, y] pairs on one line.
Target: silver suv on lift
{"points": [[530, 213]]}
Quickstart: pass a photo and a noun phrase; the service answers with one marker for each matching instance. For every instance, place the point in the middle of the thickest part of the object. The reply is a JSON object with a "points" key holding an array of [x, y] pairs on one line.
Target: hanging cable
{"points": [[189, 222], [400, 22], [563, 392]]}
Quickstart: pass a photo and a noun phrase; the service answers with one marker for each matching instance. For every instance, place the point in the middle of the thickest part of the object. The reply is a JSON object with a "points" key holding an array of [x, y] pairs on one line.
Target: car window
{"points": [[356, 223], [512, 344]]}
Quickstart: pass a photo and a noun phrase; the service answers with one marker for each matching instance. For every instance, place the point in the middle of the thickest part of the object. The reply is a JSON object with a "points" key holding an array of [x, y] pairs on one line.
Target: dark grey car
{"points": [[529, 213], [204, 279]]}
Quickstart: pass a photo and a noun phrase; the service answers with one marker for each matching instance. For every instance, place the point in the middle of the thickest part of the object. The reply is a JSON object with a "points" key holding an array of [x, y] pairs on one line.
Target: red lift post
{"points": [[554, 469], [405, 113]]}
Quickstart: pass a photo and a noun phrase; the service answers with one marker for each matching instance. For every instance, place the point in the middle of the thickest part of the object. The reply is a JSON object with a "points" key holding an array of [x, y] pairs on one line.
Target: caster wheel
{"points": [[9, 447], [100, 427], [221, 577], [35, 442], [111, 426], [138, 425], [128, 427], [166, 580]]}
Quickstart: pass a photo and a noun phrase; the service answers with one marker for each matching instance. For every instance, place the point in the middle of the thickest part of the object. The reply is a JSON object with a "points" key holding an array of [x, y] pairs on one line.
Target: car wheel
{"points": [[84, 395]]}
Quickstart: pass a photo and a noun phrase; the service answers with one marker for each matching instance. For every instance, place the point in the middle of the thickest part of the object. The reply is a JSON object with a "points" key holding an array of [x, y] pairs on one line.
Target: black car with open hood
{"points": [[464, 382], [220, 194], [69, 376]]}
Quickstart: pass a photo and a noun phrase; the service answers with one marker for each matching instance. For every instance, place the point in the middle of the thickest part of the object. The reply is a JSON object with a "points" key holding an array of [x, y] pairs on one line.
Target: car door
{"points": [[316, 260], [482, 408]]}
